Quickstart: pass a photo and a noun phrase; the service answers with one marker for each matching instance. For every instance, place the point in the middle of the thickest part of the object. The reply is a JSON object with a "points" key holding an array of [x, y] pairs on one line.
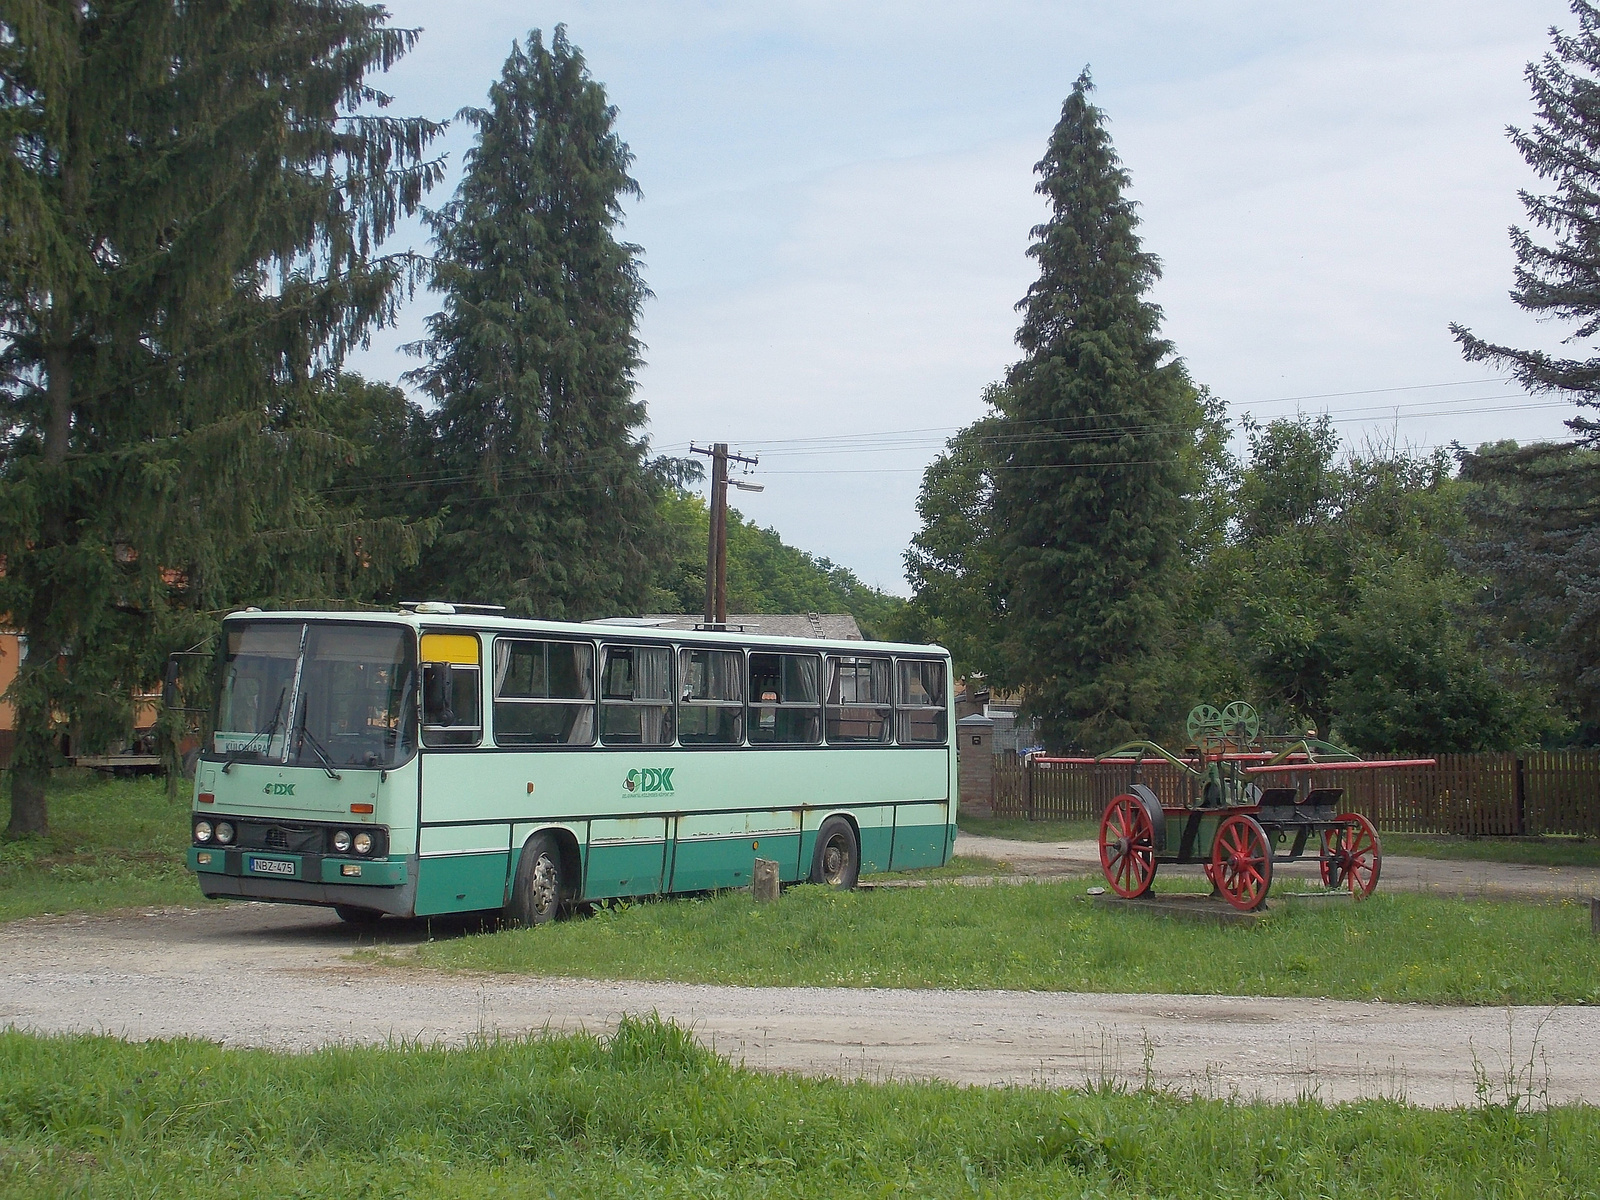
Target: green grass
{"points": [[1535, 851], [1029, 831], [112, 844], [1050, 937], [647, 1111]]}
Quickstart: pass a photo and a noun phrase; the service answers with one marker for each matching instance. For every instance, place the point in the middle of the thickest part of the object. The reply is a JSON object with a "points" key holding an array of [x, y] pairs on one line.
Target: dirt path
{"points": [[259, 975], [1450, 878]]}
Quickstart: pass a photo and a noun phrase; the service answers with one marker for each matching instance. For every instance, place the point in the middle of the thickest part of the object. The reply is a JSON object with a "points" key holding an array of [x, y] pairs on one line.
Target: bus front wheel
{"points": [[538, 891], [837, 858]]}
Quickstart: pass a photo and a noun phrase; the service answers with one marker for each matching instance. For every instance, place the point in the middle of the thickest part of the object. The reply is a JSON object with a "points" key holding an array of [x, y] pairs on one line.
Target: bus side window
{"points": [[543, 693], [710, 697], [785, 699], [859, 700], [636, 696], [452, 690], [920, 713]]}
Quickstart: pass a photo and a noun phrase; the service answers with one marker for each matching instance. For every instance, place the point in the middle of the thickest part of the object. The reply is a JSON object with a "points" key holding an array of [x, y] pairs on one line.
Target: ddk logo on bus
{"points": [[651, 779]]}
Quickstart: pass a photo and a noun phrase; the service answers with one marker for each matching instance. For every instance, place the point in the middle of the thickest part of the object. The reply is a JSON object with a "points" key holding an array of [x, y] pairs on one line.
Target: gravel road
{"points": [[1449, 878], [261, 975]]}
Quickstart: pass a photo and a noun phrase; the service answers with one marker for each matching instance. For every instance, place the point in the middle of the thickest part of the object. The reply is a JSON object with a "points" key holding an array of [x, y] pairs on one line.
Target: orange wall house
{"points": [[10, 655]]}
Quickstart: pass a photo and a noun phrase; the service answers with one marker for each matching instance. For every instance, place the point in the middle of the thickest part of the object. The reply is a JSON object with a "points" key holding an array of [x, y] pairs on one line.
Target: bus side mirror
{"points": [[439, 702], [169, 685]]}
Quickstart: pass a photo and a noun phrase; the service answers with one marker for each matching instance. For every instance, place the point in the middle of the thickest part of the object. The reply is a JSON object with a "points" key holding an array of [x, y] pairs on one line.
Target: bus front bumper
{"points": [[385, 885]]}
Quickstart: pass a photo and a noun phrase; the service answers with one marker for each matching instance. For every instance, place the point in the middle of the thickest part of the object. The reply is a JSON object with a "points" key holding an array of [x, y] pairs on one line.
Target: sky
{"points": [[837, 201]]}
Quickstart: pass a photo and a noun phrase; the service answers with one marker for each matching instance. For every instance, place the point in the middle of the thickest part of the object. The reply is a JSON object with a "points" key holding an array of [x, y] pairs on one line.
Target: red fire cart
{"points": [[1247, 807]]}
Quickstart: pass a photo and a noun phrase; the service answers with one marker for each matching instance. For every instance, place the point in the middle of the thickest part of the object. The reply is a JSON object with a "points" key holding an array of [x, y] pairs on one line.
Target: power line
{"points": [[1009, 433]]}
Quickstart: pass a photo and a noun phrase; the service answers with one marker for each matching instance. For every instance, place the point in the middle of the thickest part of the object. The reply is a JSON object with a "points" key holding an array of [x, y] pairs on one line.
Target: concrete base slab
{"points": [[1184, 907]]}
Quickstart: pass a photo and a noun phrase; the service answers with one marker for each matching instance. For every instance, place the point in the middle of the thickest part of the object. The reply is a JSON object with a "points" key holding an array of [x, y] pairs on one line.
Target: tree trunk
{"points": [[28, 814], [35, 751]]}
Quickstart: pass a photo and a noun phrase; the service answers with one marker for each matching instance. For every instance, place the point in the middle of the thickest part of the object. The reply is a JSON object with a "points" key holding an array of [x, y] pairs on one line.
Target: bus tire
{"points": [[836, 861], [351, 915], [538, 892]]}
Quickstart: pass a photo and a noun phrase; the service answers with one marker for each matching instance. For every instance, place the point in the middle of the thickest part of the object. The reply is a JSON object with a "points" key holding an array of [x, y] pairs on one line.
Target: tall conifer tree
{"points": [[1560, 280], [1093, 456], [189, 198], [550, 505], [1537, 506]]}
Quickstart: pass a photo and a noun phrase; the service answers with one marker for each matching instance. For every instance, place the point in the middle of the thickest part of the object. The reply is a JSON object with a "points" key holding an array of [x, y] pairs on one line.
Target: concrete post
{"points": [[764, 880]]}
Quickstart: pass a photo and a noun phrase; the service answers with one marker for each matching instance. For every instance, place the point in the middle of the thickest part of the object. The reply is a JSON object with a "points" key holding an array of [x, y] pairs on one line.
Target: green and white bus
{"points": [[443, 760]]}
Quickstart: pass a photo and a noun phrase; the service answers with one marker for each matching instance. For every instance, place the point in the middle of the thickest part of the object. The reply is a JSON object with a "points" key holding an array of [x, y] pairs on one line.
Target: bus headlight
{"points": [[224, 832], [363, 843], [341, 841], [202, 831]]}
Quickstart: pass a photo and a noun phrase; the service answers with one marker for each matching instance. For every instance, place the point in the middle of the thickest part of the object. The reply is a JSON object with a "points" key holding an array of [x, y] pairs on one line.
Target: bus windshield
{"points": [[317, 694]]}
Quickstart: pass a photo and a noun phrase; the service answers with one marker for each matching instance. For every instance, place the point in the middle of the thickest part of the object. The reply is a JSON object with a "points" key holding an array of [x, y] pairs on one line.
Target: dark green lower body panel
{"points": [[624, 869], [461, 883], [875, 848], [702, 864], [919, 846]]}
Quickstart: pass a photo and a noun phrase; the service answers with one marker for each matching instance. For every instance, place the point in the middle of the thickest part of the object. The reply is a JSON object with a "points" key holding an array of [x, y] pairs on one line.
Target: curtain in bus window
{"points": [[711, 697], [785, 699], [543, 693], [920, 704], [636, 699], [859, 701]]}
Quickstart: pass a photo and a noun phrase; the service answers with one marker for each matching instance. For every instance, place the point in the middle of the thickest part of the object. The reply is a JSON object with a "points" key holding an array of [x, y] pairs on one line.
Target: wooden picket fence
{"points": [[1476, 795]]}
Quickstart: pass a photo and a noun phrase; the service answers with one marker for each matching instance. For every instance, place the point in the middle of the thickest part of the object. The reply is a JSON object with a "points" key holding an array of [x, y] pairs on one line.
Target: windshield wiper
{"points": [[250, 747], [327, 762]]}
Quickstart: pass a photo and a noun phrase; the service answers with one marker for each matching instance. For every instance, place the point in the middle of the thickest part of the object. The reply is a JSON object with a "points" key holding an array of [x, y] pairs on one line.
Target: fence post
{"points": [[1027, 787], [1520, 790]]}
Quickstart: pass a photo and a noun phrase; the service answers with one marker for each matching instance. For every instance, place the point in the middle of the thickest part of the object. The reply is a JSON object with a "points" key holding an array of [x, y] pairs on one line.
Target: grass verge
{"points": [[1019, 830], [112, 844], [1051, 937], [647, 1111]]}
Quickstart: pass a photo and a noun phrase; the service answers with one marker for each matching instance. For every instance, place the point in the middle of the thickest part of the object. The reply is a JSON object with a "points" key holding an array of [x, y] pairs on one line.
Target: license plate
{"points": [[271, 866]]}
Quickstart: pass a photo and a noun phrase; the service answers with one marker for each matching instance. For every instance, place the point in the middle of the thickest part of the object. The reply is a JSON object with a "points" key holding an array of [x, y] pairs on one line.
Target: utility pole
{"points": [[717, 542]]}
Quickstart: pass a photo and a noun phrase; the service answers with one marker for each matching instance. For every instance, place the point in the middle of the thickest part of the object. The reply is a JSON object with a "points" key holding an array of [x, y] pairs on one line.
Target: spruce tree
{"points": [[1535, 507], [189, 198], [550, 506], [1562, 279], [1094, 458]]}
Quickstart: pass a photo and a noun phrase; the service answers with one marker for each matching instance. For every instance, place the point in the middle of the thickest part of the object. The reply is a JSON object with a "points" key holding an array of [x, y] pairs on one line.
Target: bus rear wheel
{"points": [[351, 915], [837, 858], [539, 891]]}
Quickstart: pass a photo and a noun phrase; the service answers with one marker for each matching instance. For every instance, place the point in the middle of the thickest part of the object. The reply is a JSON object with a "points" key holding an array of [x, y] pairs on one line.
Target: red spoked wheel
{"points": [[1127, 847], [1241, 862], [1352, 855]]}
